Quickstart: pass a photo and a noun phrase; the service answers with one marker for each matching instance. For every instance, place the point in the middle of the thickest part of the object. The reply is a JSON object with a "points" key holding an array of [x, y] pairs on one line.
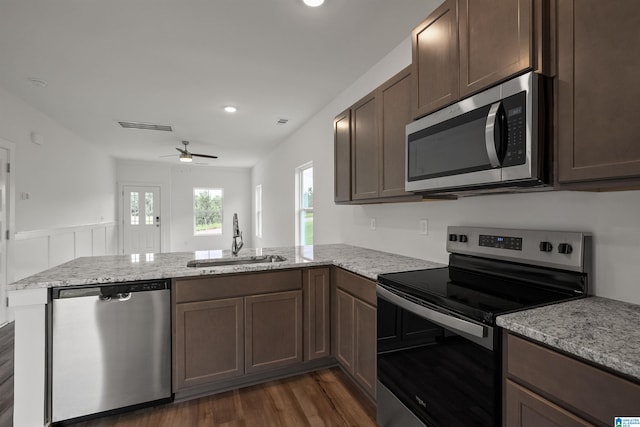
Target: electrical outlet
{"points": [[372, 223], [423, 227]]}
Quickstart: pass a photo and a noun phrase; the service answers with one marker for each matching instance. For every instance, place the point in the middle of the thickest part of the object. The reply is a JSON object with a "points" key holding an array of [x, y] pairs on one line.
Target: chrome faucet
{"points": [[236, 246]]}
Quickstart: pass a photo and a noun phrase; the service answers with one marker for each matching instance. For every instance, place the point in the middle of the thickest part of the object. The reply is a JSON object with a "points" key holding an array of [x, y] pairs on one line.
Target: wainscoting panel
{"points": [[36, 251], [84, 242], [61, 248], [99, 241], [30, 256]]}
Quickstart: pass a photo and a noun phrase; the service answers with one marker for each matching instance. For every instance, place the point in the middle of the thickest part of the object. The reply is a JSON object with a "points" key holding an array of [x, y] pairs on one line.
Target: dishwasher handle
{"points": [[121, 291]]}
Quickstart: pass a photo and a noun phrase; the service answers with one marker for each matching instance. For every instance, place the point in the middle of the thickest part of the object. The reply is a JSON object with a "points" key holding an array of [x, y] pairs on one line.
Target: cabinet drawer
{"points": [[216, 287], [579, 387], [355, 285]]}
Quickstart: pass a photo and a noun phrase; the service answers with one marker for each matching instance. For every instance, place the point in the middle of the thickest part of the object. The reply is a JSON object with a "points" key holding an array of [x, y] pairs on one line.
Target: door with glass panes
{"points": [[141, 219]]}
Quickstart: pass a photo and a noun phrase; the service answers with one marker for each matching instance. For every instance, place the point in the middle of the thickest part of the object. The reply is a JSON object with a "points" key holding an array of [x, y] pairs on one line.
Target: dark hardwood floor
{"points": [[322, 398], [6, 375]]}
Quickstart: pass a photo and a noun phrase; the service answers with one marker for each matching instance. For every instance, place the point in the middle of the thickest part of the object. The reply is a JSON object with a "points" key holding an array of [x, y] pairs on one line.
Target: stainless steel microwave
{"points": [[495, 139]]}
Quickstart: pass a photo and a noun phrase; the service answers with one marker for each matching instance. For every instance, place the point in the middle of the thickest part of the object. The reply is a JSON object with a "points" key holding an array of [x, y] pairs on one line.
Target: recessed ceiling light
{"points": [[230, 109], [313, 3]]}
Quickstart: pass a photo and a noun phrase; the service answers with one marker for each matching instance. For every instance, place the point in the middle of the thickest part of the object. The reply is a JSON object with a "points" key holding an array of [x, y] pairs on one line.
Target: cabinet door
{"points": [[435, 60], [317, 311], [342, 156], [364, 149], [364, 361], [208, 342], [343, 329], [523, 408], [395, 113], [597, 98], [273, 325], [495, 41]]}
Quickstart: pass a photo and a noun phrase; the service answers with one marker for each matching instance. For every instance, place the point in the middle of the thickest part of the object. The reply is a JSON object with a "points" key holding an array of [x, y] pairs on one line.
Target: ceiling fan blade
{"points": [[182, 151], [204, 155], [168, 155]]}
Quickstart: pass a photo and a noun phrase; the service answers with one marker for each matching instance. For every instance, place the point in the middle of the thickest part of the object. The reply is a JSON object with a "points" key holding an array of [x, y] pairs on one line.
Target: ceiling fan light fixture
{"points": [[230, 109], [186, 158], [313, 3]]}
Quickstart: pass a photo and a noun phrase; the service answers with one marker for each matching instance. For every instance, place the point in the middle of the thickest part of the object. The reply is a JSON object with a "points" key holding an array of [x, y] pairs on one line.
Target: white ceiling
{"points": [[179, 62]]}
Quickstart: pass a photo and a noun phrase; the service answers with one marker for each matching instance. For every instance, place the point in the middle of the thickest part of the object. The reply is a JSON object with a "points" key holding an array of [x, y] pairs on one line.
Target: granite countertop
{"points": [[600, 330], [122, 268]]}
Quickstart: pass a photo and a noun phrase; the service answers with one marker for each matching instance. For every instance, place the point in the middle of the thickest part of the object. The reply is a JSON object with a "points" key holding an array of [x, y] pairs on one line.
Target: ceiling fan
{"points": [[187, 156]]}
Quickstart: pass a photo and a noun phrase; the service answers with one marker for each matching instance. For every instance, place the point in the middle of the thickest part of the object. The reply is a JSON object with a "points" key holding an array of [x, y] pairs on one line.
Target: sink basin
{"points": [[258, 259]]}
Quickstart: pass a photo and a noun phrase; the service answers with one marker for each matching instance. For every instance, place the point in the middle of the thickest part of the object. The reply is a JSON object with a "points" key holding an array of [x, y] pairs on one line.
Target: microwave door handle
{"points": [[489, 135]]}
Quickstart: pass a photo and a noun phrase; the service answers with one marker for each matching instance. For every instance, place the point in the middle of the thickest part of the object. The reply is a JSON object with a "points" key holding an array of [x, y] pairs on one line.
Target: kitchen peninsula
{"points": [[30, 297]]}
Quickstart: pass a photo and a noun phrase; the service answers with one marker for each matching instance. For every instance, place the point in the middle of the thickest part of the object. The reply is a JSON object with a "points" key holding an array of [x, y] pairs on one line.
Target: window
{"points": [[258, 204], [207, 211], [304, 204]]}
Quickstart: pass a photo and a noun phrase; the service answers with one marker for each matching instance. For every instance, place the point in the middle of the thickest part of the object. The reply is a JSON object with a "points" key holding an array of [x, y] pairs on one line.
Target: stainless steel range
{"points": [[438, 348]]}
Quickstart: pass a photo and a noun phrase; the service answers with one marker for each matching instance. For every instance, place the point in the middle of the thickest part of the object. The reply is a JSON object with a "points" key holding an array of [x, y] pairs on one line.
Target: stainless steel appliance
{"points": [[438, 348], [495, 139], [110, 347]]}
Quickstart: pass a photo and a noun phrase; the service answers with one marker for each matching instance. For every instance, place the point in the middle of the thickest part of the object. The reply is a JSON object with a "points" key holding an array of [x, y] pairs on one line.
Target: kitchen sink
{"points": [[257, 259]]}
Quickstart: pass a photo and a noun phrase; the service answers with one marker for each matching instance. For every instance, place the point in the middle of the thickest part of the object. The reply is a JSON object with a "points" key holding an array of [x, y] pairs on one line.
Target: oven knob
{"points": [[565, 248], [463, 238], [453, 237], [546, 247]]}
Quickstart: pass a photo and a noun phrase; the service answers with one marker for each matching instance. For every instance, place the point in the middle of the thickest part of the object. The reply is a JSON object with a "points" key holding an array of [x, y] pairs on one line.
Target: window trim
{"points": [[258, 209], [208, 233], [299, 197]]}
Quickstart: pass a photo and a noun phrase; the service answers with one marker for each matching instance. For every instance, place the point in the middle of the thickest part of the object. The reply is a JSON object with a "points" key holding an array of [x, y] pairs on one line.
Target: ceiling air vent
{"points": [[145, 126], [282, 122]]}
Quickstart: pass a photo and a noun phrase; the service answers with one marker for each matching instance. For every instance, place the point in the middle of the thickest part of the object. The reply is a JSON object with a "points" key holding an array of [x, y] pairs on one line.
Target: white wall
{"points": [[177, 183], [236, 198], [613, 218], [69, 181]]}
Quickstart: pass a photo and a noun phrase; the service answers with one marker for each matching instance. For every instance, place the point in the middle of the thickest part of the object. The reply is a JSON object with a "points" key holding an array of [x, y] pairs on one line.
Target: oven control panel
{"points": [[558, 249], [500, 242]]}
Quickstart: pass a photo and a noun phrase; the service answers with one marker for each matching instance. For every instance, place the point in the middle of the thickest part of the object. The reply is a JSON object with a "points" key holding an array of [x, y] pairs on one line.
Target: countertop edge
{"points": [[567, 327]]}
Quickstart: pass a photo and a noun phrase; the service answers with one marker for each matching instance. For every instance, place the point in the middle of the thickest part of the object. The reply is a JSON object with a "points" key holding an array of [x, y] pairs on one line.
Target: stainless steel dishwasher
{"points": [[110, 347]]}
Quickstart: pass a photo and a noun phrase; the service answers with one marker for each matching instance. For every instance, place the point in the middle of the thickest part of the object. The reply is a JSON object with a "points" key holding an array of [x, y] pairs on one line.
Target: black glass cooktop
{"points": [[482, 296]]}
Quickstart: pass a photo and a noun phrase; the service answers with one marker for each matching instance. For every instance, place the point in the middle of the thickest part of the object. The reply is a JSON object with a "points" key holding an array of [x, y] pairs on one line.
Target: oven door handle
{"points": [[454, 323]]}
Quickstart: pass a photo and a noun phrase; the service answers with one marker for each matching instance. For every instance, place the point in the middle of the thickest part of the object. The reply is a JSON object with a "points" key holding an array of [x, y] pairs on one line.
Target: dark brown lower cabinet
{"points": [[273, 335], [236, 328], [210, 336], [354, 327], [343, 329], [316, 287], [526, 409], [546, 388], [364, 361]]}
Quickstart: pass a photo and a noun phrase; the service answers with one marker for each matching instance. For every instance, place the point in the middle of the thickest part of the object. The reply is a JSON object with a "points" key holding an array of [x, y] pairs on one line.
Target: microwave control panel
{"points": [[516, 118]]}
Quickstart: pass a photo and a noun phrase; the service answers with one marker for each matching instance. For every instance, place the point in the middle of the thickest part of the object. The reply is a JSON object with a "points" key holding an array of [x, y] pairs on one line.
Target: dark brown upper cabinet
{"points": [[342, 157], [364, 148], [495, 41], [435, 60], [596, 105], [394, 115], [466, 46], [374, 130]]}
